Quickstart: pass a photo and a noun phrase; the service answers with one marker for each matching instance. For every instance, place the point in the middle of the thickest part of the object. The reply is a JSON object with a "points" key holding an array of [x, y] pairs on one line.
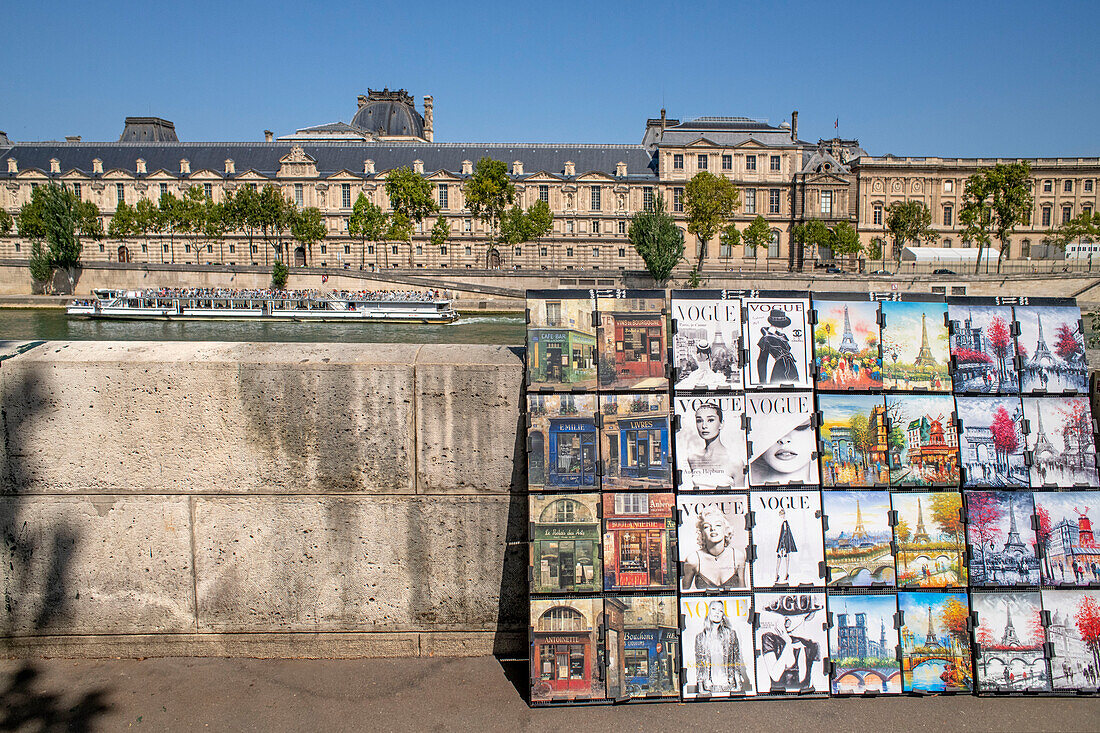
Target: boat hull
{"points": [[128, 314]]}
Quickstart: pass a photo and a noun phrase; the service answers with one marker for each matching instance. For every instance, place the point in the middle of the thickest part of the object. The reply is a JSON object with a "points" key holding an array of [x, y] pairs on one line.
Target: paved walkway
{"points": [[478, 694]]}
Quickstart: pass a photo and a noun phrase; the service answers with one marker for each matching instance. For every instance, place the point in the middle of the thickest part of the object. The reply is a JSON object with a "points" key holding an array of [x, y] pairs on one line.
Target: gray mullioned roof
{"points": [[331, 157]]}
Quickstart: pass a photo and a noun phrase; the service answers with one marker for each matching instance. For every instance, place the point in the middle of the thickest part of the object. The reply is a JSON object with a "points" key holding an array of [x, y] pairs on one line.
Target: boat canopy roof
{"points": [[939, 255]]}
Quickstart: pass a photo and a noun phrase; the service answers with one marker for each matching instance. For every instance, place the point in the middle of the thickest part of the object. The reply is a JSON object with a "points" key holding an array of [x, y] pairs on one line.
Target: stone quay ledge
{"points": [[262, 500]]}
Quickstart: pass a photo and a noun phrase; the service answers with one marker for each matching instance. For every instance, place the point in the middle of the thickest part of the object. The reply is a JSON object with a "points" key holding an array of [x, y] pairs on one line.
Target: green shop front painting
{"points": [[561, 340]]}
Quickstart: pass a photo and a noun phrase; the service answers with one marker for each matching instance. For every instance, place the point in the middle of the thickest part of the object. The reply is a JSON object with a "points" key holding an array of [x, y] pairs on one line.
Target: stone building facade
{"points": [[593, 190]]}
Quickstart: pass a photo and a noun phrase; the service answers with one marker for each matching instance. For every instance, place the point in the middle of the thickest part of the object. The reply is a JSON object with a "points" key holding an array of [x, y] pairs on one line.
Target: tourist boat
{"points": [[277, 306]]}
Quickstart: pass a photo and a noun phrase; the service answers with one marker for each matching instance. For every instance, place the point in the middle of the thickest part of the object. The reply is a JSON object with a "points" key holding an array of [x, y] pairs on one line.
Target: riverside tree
{"points": [[1085, 225], [6, 222], [518, 225], [709, 202], [845, 240], [441, 232], [489, 192], [758, 234], [274, 217], [657, 239], [308, 228], [368, 222], [812, 234], [729, 238], [60, 220], [909, 221], [995, 202]]}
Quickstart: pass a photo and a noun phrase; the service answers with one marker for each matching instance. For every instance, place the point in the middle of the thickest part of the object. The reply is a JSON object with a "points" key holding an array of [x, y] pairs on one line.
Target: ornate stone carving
{"points": [[297, 154]]}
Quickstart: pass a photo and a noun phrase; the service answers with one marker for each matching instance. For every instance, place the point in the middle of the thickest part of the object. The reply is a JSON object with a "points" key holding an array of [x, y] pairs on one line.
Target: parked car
{"points": [[834, 270], [879, 272], [944, 271]]}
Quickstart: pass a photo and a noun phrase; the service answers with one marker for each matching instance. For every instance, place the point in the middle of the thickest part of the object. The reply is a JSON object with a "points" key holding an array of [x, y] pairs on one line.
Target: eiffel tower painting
{"points": [[1010, 639], [921, 535], [1014, 545], [860, 532], [1041, 357], [1042, 442], [924, 356], [848, 341]]}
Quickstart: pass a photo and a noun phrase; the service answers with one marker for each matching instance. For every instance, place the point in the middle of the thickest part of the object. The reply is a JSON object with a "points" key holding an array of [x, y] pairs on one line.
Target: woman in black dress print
{"points": [[774, 345], [783, 550]]}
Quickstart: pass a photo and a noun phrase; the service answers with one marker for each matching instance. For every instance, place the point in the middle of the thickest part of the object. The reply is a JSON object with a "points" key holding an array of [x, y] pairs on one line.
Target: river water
{"points": [[52, 324]]}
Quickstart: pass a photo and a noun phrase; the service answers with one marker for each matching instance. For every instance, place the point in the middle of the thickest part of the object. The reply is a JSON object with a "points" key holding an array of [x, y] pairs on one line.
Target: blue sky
{"points": [[979, 78]]}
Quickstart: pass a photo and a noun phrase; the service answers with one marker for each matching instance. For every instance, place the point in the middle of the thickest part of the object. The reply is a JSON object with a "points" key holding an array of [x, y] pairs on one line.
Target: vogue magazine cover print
{"points": [[776, 332], [787, 536], [782, 440], [846, 345], [858, 538], [561, 340], [983, 348], [1010, 636], [935, 642], [710, 442], [854, 440], [915, 346], [717, 646], [863, 645], [791, 643], [1002, 538], [706, 347], [714, 542]]}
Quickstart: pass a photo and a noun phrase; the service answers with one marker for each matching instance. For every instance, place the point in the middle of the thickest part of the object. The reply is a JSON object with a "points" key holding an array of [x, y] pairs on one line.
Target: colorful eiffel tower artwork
{"points": [[930, 640], [921, 535], [848, 341], [860, 532], [924, 356]]}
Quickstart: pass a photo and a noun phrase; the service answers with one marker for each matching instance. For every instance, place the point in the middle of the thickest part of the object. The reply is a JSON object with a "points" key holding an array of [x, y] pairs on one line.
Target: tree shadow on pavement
{"points": [[25, 706]]}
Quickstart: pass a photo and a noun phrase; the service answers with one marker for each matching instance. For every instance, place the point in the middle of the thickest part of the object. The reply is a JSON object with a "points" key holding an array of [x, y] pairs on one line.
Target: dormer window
{"points": [[517, 167], [467, 168], [55, 165], [620, 169], [230, 166], [97, 165], [185, 167], [368, 167], [141, 166], [570, 168], [418, 166]]}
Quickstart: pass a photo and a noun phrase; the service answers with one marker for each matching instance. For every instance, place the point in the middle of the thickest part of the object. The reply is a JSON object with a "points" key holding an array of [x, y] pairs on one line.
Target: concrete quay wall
{"points": [[286, 500]]}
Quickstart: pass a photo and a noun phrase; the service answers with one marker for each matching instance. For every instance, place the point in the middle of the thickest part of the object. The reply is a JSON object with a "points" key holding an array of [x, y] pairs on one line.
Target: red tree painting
{"points": [[1000, 339], [1004, 435], [983, 511], [1065, 342], [1088, 623]]}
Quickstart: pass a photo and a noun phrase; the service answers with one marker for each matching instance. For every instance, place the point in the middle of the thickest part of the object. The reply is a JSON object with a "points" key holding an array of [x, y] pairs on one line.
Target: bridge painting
{"points": [[857, 538], [863, 644], [935, 642]]}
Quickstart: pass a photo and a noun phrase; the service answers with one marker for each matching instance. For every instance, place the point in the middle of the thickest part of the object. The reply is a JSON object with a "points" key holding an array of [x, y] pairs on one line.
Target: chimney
{"points": [[13, 165], [55, 165], [570, 168], [467, 168], [140, 167], [68, 138], [230, 166], [620, 169], [97, 165], [429, 119], [517, 167], [418, 166], [368, 167], [663, 121], [269, 136], [794, 126], [362, 101]]}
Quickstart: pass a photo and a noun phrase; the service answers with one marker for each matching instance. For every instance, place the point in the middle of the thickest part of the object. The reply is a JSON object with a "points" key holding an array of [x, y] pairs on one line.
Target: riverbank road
{"points": [[471, 694]]}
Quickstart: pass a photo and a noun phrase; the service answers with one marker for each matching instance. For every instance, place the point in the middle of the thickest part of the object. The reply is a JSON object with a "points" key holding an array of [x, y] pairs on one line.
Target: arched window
{"points": [[565, 510], [562, 618], [1025, 248], [773, 244], [947, 242]]}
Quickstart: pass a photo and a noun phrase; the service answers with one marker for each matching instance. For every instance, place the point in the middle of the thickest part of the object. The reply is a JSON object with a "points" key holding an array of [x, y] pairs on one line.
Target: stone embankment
{"points": [[261, 500]]}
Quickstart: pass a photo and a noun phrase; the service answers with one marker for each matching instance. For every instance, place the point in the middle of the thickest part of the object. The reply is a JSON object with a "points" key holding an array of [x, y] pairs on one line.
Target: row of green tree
{"points": [[995, 202]]}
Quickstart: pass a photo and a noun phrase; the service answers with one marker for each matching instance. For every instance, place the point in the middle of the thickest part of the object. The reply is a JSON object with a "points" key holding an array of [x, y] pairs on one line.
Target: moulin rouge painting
{"points": [[846, 345], [982, 348]]}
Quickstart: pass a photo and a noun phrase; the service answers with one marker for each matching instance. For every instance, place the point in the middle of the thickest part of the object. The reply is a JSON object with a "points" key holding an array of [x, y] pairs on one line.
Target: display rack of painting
{"points": [[761, 494]]}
